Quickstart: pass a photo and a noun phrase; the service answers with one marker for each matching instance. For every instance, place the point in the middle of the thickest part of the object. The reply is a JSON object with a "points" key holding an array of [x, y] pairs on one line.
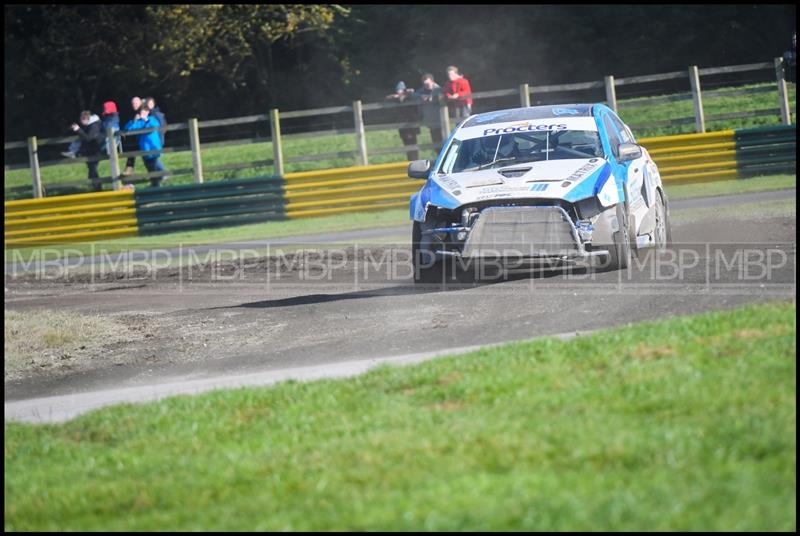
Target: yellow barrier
{"points": [[68, 200], [69, 218], [677, 140], [354, 171], [693, 157], [692, 148], [358, 188], [350, 208], [82, 217]]}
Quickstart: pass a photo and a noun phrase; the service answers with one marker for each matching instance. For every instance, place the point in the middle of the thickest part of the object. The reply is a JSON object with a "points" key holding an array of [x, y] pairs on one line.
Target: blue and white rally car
{"points": [[555, 184]]}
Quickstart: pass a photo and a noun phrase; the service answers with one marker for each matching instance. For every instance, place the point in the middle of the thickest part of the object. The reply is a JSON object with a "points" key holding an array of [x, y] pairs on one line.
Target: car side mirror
{"points": [[629, 151], [419, 169]]}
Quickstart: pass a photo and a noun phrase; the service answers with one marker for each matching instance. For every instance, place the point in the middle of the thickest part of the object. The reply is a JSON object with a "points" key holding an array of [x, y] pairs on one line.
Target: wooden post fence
{"points": [[113, 159], [444, 121], [277, 148], [611, 92], [523, 91], [697, 99], [524, 95], [36, 173], [361, 137], [194, 143], [786, 116]]}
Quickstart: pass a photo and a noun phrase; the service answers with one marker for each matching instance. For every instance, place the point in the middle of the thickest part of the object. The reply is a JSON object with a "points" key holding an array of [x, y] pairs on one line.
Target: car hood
{"points": [[571, 180]]}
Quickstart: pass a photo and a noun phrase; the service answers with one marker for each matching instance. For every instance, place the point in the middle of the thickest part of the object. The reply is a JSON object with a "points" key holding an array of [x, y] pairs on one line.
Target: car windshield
{"points": [[520, 147]]}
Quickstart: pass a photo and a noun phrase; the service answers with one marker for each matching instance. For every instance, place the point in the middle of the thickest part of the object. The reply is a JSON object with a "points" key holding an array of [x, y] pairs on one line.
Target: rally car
{"points": [[562, 184]]}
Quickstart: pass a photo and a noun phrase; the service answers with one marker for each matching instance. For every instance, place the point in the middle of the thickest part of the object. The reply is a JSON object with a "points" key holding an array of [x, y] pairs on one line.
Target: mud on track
{"points": [[328, 304]]}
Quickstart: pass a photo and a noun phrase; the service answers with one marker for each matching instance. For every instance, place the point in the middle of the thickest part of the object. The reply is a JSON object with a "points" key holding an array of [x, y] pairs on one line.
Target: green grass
{"points": [[639, 112], [729, 187], [682, 424], [628, 108]]}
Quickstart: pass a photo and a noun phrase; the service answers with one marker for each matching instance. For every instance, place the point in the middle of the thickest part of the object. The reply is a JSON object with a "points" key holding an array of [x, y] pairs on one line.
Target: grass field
{"points": [[631, 110], [729, 187], [639, 112], [683, 424]]}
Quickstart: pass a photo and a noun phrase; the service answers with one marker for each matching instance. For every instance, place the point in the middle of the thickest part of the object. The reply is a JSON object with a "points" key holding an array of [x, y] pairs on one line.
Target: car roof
{"points": [[530, 113]]}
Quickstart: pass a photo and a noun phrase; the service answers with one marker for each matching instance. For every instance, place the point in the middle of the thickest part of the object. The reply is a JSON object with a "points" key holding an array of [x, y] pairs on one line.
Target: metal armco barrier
{"points": [[683, 158], [212, 204], [694, 157], [69, 218], [767, 150], [361, 188], [724, 154]]}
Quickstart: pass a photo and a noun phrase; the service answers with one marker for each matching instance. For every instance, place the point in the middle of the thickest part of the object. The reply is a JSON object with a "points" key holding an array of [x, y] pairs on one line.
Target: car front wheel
{"points": [[619, 253], [425, 272]]}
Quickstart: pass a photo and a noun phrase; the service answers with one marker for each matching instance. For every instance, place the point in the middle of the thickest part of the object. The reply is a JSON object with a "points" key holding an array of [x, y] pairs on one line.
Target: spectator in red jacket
{"points": [[458, 94]]}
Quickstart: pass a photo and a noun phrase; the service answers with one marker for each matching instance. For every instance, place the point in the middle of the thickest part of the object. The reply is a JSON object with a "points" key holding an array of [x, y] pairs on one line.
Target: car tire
{"points": [[467, 276], [631, 231], [662, 232], [424, 274], [662, 235], [667, 223], [619, 253]]}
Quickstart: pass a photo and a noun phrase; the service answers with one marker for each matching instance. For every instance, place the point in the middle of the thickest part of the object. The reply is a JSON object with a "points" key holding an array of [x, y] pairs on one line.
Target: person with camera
{"points": [[90, 144], [790, 62], [406, 114], [429, 96]]}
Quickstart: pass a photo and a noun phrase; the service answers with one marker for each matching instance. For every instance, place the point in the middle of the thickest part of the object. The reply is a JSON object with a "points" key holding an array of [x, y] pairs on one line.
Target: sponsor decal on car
{"points": [[449, 183], [497, 189], [492, 196], [583, 170], [525, 126]]}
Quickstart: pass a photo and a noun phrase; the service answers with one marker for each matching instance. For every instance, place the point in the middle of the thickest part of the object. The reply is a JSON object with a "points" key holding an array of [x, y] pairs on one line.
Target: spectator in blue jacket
{"points": [[136, 103], [158, 114], [149, 141]]}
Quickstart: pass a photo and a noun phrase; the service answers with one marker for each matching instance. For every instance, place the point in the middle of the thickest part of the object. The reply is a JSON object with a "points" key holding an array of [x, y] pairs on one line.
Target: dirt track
{"points": [[357, 301]]}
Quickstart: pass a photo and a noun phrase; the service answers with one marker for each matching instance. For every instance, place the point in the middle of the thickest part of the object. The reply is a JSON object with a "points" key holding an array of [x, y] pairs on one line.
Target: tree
{"points": [[234, 42], [214, 61]]}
